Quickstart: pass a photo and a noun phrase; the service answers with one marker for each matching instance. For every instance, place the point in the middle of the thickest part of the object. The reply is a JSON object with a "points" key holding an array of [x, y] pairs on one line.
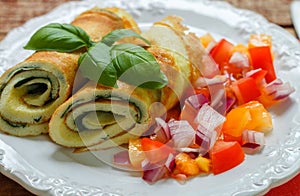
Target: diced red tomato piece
{"points": [[155, 151], [261, 57], [259, 76], [230, 138], [246, 90], [225, 156], [221, 53]]}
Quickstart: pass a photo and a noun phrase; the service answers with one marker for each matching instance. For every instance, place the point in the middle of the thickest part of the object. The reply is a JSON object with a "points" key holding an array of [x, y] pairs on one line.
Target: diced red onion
{"points": [[153, 172], [182, 133], [196, 101], [209, 117], [252, 141], [218, 97], [239, 60], [210, 67], [122, 158], [162, 130], [278, 89], [170, 162], [204, 82], [252, 72], [205, 138]]}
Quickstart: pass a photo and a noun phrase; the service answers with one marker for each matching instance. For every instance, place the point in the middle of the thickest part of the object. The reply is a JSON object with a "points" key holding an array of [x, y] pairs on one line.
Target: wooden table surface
{"points": [[14, 13]]}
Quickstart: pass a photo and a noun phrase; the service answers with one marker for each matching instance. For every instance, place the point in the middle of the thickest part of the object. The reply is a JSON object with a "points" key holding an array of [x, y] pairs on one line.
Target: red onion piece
{"points": [[209, 117], [170, 162], [182, 133], [210, 67], [196, 101], [154, 172], [252, 141], [278, 89], [162, 130], [205, 138], [122, 158], [239, 60], [204, 82], [252, 72]]}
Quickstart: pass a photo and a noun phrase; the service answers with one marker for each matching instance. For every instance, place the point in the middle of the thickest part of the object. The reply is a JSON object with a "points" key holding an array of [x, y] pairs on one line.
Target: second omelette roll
{"points": [[31, 90], [103, 116]]}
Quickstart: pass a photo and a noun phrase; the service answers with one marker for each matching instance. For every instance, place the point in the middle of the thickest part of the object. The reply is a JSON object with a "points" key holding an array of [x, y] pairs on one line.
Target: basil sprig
{"points": [[59, 37], [104, 62]]}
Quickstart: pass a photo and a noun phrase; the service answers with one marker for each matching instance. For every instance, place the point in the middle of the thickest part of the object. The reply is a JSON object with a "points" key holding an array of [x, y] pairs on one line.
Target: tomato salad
{"points": [[201, 140]]}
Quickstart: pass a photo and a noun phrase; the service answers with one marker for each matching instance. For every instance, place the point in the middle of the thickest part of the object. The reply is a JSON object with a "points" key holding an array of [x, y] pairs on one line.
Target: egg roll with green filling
{"points": [[31, 90], [99, 117], [96, 114]]}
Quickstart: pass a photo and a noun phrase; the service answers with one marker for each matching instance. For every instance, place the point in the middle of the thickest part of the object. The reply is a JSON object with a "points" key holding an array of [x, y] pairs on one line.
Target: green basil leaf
{"points": [[118, 34], [96, 65], [59, 37], [136, 66]]}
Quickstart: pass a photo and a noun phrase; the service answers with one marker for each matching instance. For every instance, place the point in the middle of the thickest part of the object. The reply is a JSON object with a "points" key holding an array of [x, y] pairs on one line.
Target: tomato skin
{"points": [[246, 89], [261, 57], [225, 156], [221, 53], [155, 151]]}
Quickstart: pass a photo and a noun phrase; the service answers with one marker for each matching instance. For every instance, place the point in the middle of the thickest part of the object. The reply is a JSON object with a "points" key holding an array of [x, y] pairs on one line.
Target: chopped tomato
{"points": [[236, 121], [136, 153], [266, 99], [203, 163], [246, 90], [252, 116], [261, 57], [155, 151], [240, 48], [225, 156], [186, 165], [230, 138], [207, 39], [261, 119], [221, 53], [257, 40]]}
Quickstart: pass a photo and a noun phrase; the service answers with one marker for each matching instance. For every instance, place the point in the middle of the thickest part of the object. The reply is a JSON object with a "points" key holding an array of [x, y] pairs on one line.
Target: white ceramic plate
{"points": [[47, 169]]}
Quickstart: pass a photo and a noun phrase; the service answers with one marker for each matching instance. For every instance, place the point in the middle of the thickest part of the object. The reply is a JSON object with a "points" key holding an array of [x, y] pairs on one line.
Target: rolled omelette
{"points": [[31, 90], [99, 117]]}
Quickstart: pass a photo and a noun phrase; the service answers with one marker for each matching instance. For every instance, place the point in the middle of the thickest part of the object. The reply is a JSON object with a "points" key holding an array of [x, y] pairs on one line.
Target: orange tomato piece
{"points": [[203, 163], [136, 153], [261, 119], [236, 121], [257, 40], [206, 39], [225, 156], [186, 165]]}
